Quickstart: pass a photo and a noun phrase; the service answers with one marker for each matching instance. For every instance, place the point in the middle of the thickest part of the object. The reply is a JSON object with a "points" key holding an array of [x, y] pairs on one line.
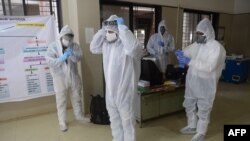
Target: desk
{"points": [[151, 105]]}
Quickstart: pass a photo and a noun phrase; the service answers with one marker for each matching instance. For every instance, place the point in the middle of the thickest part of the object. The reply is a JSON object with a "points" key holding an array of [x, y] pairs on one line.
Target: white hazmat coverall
{"points": [[121, 63], [65, 76], [205, 67], [160, 52]]}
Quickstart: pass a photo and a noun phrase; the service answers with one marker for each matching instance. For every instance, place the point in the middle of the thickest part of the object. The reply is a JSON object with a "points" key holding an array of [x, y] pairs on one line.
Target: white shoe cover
{"points": [[198, 137], [188, 130], [63, 127]]}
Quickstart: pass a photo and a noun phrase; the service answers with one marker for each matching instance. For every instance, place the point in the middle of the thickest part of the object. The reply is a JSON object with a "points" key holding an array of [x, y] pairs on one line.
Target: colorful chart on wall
{"points": [[24, 73]]}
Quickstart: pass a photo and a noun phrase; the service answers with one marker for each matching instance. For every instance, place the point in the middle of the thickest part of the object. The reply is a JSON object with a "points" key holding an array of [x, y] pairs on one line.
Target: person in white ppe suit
{"points": [[121, 63], [205, 59], [62, 57], [160, 45]]}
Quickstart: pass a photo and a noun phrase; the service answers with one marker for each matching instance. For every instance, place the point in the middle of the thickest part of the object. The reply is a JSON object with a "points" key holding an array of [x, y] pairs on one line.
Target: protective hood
{"points": [[162, 23], [65, 30], [206, 27], [111, 24]]}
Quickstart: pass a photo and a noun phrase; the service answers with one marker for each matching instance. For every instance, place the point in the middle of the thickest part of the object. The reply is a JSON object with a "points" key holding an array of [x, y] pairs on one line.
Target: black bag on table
{"points": [[98, 111], [173, 73], [151, 73]]}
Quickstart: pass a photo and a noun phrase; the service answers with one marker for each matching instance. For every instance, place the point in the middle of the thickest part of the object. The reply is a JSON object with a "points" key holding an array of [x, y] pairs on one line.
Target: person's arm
{"points": [[210, 63], [76, 53], [170, 44], [132, 46], [150, 45], [52, 57], [97, 42], [191, 50]]}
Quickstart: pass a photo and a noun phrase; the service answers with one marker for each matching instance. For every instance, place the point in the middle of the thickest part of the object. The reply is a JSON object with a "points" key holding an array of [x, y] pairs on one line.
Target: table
{"points": [[152, 104]]}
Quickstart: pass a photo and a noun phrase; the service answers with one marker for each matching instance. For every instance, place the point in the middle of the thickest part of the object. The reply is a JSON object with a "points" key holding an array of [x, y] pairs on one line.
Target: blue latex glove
{"points": [[69, 51], [160, 43], [120, 21], [184, 60], [179, 53], [179, 58], [64, 57]]}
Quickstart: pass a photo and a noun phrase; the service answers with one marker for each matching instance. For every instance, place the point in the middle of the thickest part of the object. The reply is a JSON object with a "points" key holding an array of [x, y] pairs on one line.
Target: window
{"points": [[190, 20], [143, 23], [122, 11], [31, 7], [141, 19]]}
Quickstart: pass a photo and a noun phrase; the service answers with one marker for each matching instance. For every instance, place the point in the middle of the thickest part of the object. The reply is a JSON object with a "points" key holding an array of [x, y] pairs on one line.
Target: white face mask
{"points": [[111, 37], [66, 43]]}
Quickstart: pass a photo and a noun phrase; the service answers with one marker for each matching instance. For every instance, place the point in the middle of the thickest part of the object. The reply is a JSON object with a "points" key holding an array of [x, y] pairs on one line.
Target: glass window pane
{"points": [[33, 7], [13, 7], [190, 21], [143, 23], [42, 7], [17, 8], [121, 11]]}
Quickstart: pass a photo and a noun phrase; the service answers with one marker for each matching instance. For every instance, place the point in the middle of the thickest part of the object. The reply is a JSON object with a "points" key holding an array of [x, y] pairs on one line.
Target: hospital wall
{"points": [[237, 34], [81, 14], [240, 39]]}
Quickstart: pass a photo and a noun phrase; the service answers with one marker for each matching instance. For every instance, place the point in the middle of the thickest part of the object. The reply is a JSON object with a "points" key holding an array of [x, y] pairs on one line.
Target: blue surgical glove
{"points": [[120, 21], [184, 60], [160, 43], [64, 57], [179, 53], [180, 59], [69, 51]]}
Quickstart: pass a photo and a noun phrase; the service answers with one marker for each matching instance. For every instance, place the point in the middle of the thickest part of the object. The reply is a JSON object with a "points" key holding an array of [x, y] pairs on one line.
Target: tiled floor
{"points": [[231, 107]]}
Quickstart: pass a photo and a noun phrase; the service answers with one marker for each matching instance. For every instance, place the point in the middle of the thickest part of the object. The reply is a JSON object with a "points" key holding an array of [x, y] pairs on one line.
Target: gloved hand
{"points": [[160, 43], [179, 53], [69, 51], [120, 21], [184, 60], [64, 57]]}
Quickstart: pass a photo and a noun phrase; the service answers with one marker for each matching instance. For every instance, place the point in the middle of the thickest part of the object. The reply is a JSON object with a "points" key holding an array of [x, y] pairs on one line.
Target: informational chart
{"points": [[24, 73]]}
